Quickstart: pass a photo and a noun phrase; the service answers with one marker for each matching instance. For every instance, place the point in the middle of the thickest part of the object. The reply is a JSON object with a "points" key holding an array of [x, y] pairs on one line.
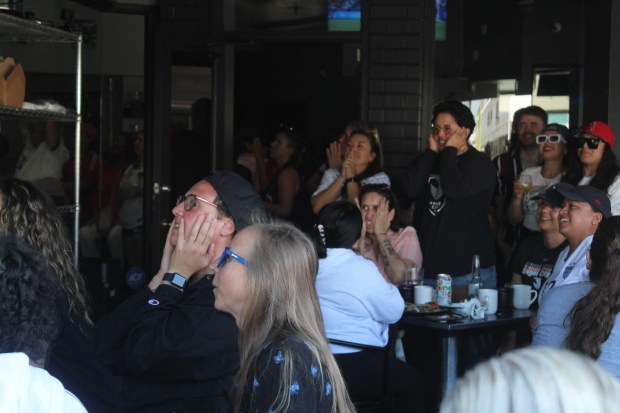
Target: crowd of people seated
{"points": [[278, 288]]}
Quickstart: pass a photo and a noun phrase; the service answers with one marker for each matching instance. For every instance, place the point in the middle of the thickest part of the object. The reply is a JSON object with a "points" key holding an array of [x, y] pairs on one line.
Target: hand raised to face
{"points": [[458, 139], [194, 251]]}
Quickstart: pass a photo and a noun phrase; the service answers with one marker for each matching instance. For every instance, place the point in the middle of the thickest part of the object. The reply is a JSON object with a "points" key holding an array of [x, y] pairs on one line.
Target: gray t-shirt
{"points": [[553, 323]]}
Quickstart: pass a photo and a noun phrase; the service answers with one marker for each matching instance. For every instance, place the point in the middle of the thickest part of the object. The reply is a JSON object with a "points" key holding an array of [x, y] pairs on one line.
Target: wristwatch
{"points": [[176, 279]]}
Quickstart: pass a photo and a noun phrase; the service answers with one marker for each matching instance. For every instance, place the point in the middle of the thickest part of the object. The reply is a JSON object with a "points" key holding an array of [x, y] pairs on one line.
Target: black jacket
{"points": [[175, 351], [452, 196], [72, 360]]}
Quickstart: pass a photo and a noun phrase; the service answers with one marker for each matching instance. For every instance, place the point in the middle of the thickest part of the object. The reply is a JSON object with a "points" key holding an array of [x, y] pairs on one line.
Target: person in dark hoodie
{"points": [[175, 351], [452, 185]]}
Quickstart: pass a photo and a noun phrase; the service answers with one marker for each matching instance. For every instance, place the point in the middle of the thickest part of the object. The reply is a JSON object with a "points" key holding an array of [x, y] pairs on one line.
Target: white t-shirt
{"points": [[332, 174], [568, 270], [539, 185], [613, 191], [28, 389]]}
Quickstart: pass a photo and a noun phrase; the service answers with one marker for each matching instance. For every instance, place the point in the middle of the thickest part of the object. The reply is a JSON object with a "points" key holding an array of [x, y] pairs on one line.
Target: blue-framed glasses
{"points": [[227, 254]]}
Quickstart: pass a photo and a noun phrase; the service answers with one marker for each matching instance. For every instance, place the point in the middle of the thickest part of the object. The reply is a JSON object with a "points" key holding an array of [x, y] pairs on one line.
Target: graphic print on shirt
{"points": [[438, 199], [537, 272]]}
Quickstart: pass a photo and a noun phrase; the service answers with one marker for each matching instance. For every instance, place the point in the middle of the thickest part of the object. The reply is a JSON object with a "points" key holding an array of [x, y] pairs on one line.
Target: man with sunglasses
{"points": [[175, 351]]}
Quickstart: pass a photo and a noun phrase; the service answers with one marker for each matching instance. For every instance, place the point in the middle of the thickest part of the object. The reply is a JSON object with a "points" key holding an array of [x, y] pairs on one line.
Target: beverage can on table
{"points": [[444, 289]]}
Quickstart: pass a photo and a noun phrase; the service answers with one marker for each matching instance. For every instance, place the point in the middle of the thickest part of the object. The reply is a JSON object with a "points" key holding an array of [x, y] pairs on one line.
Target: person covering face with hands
{"points": [[174, 350], [452, 184], [392, 246]]}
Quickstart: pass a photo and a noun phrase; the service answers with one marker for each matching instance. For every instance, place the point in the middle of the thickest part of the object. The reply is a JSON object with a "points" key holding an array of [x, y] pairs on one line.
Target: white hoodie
{"points": [[28, 389]]}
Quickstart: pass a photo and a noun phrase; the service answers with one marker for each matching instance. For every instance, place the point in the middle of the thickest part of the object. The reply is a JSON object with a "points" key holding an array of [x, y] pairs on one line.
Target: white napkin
{"points": [[471, 308]]}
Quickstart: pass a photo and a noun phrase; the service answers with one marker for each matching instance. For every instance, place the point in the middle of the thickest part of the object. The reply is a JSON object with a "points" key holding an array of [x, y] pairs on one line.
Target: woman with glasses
{"points": [[266, 280], [553, 146], [31, 216], [598, 165], [362, 165], [452, 184]]}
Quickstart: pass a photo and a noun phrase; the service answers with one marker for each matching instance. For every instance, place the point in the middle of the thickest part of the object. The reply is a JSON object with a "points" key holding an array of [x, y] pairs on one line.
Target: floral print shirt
{"points": [[309, 390]]}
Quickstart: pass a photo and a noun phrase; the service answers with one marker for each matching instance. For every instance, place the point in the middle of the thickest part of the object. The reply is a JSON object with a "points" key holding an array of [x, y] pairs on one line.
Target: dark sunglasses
{"points": [[592, 142], [227, 254], [555, 138]]}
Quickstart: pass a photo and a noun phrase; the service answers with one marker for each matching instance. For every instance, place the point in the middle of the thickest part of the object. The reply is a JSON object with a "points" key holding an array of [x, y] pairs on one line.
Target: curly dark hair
{"points": [[592, 318], [28, 318], [30, 215], [606, 172]]}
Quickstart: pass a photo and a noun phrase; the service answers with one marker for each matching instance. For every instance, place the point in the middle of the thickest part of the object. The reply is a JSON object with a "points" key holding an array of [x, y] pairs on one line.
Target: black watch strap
{"points": [[175, 279]]}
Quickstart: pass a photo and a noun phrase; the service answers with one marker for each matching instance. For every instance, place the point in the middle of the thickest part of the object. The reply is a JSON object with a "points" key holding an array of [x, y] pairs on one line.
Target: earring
{"points": [[594, 222]]}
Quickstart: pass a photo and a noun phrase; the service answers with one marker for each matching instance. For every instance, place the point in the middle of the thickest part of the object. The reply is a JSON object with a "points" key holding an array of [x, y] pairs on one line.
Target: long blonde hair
{"points": [[31, 216], [282, 302]]}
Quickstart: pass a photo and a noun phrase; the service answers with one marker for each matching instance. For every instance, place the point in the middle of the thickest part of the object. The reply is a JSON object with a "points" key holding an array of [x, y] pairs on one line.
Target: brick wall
{"points": [[398, 75]]}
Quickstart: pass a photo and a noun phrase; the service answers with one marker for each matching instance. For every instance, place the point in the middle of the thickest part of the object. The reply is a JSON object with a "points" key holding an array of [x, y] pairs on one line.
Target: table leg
{"points": [[449, 364]]}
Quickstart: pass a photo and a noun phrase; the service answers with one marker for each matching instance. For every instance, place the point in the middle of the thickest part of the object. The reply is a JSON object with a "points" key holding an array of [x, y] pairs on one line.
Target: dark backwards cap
{"points": [[597, 199], [238, 195], [551, 197]]}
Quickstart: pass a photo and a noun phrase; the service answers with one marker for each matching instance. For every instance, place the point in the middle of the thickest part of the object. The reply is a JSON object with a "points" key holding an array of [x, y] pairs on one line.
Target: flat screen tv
{"points": [[344, 15]]}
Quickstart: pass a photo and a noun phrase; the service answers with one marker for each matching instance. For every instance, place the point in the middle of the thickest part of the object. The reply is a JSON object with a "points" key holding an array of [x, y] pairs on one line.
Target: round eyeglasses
{"points": [[189, 201]]}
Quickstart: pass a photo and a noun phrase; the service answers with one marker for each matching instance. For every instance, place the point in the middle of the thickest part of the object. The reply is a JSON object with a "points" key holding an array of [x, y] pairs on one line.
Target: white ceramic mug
{"points": [[422, 294], [523, 296], [488, 298]]}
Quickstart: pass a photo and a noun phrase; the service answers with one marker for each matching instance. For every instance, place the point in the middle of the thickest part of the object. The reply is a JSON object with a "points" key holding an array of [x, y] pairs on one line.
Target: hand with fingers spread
{"points": [[458, 139], [334, 155], [194, 251], [383, 218]]}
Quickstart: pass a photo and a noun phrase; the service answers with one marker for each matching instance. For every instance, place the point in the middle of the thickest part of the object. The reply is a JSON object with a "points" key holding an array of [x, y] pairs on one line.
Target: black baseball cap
{"points": [[238, 195], [597, 199]]}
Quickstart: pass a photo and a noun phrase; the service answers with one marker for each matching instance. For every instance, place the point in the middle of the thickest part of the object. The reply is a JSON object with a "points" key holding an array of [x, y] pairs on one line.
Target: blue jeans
{"points": [[488, 275]]}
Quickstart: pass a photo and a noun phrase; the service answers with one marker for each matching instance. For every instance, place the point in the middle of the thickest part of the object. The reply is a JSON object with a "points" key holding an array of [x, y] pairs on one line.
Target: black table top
{"points": [[507, 319]]}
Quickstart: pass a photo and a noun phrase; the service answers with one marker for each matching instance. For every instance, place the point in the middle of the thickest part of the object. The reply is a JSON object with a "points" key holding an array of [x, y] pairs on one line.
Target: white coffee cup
{"points": [[488, 298], [523, 296], [422, 294]]}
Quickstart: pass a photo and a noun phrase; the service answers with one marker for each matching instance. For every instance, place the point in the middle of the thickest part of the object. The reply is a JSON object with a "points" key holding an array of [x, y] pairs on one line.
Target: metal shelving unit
{"points": [[15, 29]]}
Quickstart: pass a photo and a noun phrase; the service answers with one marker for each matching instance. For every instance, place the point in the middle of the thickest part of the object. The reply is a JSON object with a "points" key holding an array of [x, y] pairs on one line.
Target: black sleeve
{"points": [[415, 177], [462, 178], [169, 335]]}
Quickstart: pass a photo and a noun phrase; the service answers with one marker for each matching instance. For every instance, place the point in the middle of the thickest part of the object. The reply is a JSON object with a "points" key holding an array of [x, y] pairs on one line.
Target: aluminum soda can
{"points": [[444, 289]]}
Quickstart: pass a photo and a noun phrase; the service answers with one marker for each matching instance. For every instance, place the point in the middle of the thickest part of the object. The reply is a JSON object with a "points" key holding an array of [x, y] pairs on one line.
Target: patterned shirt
{"points": [[309, 390]]}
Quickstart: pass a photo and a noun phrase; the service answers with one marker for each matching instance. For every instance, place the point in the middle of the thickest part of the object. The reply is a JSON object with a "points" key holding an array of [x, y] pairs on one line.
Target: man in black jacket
{"points": [[452, 184], [175, 351]]}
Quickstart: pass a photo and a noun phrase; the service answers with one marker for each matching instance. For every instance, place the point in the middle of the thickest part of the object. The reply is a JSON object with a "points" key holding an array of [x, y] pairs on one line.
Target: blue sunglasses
{"points": [[228, 253]]}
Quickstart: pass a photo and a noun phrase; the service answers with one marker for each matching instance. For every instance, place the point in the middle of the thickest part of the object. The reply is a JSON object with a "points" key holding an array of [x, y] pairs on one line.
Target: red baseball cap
{"points": [[600, 130]]}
